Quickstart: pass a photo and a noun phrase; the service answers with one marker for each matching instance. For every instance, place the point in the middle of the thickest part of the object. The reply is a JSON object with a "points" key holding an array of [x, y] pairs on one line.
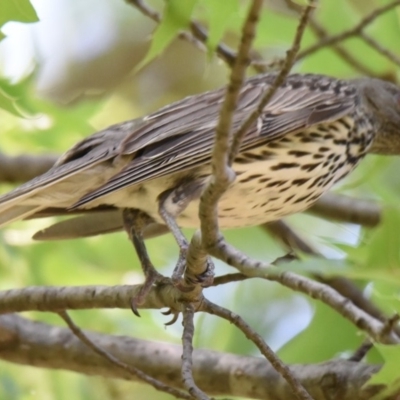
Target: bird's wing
{"points": [[91, 151], [91, 224], [180, 136]]}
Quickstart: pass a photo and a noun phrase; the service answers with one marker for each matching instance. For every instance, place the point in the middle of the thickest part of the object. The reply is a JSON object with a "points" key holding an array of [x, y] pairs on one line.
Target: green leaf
{"points": [[274, 29], [316, 343], [385, 295], [384, 248], [176, 18], [10, 95], [220, 14], [7, 103], [389, 373], [17, 10]]}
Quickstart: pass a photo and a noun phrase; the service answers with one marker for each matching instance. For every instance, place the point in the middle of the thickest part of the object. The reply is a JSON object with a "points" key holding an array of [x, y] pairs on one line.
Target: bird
{"points": [[313, 132]]}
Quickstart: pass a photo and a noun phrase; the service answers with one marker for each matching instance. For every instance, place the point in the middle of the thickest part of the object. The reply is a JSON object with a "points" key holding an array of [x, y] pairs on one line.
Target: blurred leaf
{"points": [[7, 103], [176, 18], [317, 343], [61, 126], [11, 98], [386, 296], [326, 59], [389, 373], [385, 30], [17, 10], [274, 29], [9, 387], [384, 246], [220, 14]]}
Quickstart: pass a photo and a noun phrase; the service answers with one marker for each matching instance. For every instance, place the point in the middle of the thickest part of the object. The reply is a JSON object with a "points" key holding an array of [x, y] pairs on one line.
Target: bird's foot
{"points": [[175, 316], [152, 278], [179, 270], [206, 278], [185, 282]]}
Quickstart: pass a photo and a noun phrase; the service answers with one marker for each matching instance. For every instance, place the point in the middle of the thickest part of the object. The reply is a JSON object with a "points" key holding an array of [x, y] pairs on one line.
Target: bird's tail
{"points": [[17, 212], [93, 223]]}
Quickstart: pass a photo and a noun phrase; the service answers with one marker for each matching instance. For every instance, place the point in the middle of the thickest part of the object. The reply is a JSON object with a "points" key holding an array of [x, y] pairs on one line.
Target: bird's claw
{"points": [[205, 279], [175, 316], [152, 278]]}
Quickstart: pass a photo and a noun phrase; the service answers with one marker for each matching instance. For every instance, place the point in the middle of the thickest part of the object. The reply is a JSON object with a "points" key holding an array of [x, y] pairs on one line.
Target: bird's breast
{"points": [[283, 177], [273, 180]]}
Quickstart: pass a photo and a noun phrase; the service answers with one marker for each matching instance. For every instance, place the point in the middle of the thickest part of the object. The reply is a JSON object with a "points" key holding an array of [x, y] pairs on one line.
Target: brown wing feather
{"points": [[180, 136], [91, 151]]}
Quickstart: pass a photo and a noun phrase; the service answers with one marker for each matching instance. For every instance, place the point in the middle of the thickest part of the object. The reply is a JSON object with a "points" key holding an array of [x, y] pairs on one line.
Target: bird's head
{"points": [[382, 101]]}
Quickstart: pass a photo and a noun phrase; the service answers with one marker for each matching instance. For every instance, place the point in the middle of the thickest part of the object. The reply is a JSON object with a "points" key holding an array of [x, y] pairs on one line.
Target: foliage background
{"points": [[69, 68]]}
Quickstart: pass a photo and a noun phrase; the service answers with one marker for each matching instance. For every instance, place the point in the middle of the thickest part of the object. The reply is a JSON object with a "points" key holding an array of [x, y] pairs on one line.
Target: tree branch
{"points": [[22, 168], [53, 298], [114, 361], [380, 49], [187, 354], [280, 78], [354, 31], [45, 346], [315, 290], [222, 174], [338, 207], [198, 35], [265, 350], [341, 51], [343, 286]]}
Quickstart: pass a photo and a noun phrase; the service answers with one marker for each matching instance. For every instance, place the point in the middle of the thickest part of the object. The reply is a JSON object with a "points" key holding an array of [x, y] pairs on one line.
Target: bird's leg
{"points": [[182, 244], [135, 222], [177, 200]]}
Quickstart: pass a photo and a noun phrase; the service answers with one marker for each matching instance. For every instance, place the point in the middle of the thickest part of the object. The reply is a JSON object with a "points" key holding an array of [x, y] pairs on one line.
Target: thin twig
{"points": [[223, 176], [362, 351], [280, 78], [341, 51], [224, 51], [338, 207], [227, 253], [343, 286], [229, 278], [237, 277], [187, 353], [198, 35], [145, 10], [289, 237], [380, 49], [156, 17], [356, 30], [158, 385], [322, 33], [252, 335], [391, 324]]}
